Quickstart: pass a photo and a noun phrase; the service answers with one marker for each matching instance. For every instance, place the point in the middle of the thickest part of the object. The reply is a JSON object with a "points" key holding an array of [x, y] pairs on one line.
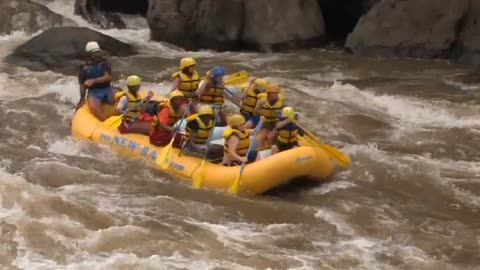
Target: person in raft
{"points": [[129, 101], [95, 81], [199, 129], [187, 80], [169, 113], [211, 91], [249, 100], [237, 142], [288, 131], [269, 106]]}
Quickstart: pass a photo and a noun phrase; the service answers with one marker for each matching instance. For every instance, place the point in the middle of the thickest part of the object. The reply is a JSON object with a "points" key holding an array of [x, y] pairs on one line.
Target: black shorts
{"points": [[269, 126], [285, 146]]}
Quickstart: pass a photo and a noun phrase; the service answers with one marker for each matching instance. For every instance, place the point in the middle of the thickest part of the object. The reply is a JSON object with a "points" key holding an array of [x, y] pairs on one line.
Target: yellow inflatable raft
{"points": [[257, 177]]}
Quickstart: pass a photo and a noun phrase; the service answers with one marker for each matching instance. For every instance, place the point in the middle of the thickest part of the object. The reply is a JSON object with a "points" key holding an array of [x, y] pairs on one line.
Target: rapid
{"points": [[410, 199]]}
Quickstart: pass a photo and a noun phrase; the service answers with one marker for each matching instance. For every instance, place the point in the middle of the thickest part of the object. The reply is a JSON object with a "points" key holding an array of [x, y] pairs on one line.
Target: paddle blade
{"points": [[197, 178], [340, 157], [236, 185], [236, 78], [164, 156], [113, 121], [333, 152]]}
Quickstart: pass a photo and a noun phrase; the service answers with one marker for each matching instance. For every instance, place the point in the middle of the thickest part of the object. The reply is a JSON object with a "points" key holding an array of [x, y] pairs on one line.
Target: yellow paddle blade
{"points": [[340, 157], [306, 141], [113, 121], [164, 156], [236, 78], [236, 185], [197, 178], [333, 152]]}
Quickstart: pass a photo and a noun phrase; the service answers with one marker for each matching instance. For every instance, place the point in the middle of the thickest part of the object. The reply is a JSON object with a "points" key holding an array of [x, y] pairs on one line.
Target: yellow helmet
{"points": [[134, 80], [273, 88], [262, 83], [236, 120], [288, 112], [205, 109], [187, 62], [175, 93]]}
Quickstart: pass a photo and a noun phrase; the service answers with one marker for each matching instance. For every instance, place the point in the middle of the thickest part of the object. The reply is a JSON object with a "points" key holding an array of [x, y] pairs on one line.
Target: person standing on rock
{"points": [[95, 81], [211, 91]]}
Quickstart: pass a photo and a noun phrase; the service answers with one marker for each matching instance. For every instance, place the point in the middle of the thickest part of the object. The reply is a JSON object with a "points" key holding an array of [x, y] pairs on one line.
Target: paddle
{"points": [[115, 121], [338, 156], [232, 95], [197, 181], [162, 160], [236, 185], [236, 78]]}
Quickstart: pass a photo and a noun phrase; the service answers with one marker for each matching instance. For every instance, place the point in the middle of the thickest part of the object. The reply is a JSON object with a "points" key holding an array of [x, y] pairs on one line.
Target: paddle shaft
{"points": [[120, 117], [234, 188], [307, 132], [232, 95], [197, 183]]}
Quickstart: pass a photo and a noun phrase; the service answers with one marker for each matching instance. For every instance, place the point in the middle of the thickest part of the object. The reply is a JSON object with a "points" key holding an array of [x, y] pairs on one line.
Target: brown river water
{"points": [[409, 201]]}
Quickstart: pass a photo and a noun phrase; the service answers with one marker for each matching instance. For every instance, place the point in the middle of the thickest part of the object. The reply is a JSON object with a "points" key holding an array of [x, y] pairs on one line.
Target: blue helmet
{"points": [[218, 71]]}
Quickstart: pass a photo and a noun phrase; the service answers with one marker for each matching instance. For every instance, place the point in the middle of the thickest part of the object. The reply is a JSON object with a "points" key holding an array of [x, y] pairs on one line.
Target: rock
{"points": [[236, 24], [468, 48], [90, 10], [27, 16], [62, 49], [409, 28], [167, 21], [341, 17], [282, 24]]}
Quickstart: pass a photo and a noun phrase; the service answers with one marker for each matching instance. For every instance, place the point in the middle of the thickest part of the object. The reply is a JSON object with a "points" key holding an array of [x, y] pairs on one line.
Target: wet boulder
{"points": [[409, 28], [62, 49], [468, 48], [236, 24], [282, 24], [28, 16], [91, 11]]}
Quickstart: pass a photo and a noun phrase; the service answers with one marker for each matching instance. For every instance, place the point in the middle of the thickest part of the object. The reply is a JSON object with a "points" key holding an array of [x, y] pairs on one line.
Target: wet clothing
{"points": [[213, 94], [162, 139], [127, 102], [271, 111], [199, 130], [242, 146], [188, 84], [101, 91], [166, 116], [287, 136], [250, 101], [250, 117]]}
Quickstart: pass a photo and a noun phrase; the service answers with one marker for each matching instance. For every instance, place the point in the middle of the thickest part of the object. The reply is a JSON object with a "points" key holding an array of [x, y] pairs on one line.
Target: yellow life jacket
{"points": [[242, 147], [204, 130], [212, 95], [188, 85], [173, 117], [287, 134], [271, 111], [132, 100], [250, 101]]}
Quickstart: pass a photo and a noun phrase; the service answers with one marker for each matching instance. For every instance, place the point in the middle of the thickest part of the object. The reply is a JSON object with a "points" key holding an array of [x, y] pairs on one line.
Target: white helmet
{"points": [[92, 46]]}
